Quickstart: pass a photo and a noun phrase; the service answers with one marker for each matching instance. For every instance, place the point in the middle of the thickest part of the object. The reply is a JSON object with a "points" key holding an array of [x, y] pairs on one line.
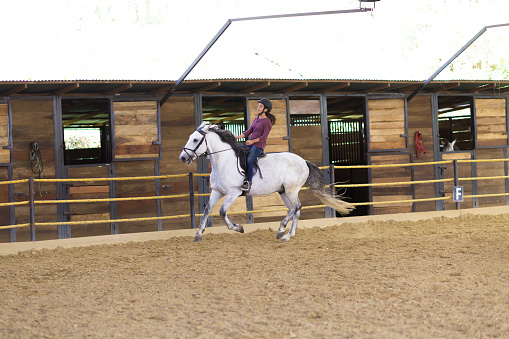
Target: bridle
{"points": [[199, 130]]}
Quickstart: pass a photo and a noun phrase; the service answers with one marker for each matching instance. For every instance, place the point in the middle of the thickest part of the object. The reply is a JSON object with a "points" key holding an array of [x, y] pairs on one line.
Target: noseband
{"points": [[199, 130]]}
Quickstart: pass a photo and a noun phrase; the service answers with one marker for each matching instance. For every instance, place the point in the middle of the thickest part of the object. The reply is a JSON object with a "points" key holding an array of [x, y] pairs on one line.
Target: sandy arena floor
{"points": [[435, 278]]}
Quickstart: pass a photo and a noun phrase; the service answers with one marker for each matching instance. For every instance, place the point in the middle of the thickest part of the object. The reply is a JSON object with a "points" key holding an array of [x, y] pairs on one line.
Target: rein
{"points": [[199, 144]]}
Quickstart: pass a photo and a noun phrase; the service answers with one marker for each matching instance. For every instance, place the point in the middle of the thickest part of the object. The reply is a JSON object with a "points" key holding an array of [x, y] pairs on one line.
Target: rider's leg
{"points": [[253, 154]]}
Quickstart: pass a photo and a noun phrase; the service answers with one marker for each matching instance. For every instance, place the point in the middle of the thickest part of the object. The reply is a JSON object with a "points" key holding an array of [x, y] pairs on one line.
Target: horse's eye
{"points": [[195, 140]]}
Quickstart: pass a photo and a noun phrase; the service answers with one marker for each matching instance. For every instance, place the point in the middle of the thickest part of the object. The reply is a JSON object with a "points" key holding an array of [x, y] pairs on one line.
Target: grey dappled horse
{"points": [[284, 173], [450, 146]]}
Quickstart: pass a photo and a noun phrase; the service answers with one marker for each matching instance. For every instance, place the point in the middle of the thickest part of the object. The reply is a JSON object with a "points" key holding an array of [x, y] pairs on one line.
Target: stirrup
{"points": [[246, 186]]}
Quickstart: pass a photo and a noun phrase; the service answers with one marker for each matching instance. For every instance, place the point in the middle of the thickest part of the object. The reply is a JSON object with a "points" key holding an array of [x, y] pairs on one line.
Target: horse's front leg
{"points": [[228, 201], [215, 196]]}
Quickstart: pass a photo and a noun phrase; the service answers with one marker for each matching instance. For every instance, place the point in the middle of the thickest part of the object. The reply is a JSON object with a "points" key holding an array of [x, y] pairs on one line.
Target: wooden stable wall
{"points": [[177, 123], [491, 169], [32, 120], [464, 171], [491, 122], [307, 142], [89, 190], [135, 130], [386, 122], [391, 174], [420, 119]]}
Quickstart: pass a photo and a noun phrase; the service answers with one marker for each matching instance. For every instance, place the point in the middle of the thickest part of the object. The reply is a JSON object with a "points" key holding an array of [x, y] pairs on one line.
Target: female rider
{"points": [[258, 132]]}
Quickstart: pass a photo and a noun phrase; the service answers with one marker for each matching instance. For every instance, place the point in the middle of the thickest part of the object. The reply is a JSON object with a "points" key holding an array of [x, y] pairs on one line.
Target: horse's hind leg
{"points": [[228, 201], [215, 196], [291, 200]]}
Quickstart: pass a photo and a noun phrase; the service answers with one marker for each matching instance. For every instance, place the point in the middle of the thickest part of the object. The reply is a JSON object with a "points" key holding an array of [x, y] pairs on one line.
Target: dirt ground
{"points": [[438, 278]]}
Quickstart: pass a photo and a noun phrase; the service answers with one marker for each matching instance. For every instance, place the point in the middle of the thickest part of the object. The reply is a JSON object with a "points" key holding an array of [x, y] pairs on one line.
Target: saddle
{"points": [[243, 161]]}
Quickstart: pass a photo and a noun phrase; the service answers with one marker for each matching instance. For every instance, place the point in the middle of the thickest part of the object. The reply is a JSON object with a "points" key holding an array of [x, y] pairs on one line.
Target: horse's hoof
{"points": [[240, 228], [197, 238], [279, 235], [285, 239]]}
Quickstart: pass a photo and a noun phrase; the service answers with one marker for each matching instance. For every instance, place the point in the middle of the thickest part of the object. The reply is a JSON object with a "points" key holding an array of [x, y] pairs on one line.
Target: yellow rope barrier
{"points": [[394, 183], [484, 178], [242, 212], [13, 226], [396, 165], [19, 203], [110, 199], [113, 179], [21, 181], [110, 220]]}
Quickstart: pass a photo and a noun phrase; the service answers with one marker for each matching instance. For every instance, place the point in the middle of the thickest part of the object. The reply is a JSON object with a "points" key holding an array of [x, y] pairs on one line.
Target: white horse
{"points": [[450, 146], [284, 173]]}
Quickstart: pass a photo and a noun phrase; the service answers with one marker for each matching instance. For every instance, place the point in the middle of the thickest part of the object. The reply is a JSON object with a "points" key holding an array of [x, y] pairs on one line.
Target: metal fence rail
{"points": [[192, 195]]}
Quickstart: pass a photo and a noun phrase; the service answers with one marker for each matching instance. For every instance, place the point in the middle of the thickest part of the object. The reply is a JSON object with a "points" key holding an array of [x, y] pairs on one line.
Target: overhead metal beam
{"points": [[451, 59], [230, 21]]}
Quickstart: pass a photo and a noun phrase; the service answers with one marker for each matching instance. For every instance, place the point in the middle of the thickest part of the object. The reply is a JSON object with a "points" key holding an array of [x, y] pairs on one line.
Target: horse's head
{"points": [[450, 146], [196, 145]]}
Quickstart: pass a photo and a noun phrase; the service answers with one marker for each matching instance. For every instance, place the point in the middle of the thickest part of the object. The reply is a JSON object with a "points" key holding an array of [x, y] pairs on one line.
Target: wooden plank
{"points": [[490, 103], [304, 106], [90, 217], [501, 128], [386, 103], [88, 189], [456, 156]]}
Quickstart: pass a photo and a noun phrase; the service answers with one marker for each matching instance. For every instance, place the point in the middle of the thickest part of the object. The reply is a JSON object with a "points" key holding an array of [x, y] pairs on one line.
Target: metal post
{"points": [[31, 194], [332, 212], [230, 21], [455, 165], [191, 200]]}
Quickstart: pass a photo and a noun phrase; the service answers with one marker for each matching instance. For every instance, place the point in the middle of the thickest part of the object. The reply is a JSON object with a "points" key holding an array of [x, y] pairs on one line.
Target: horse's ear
{"points": [[452, 143], [202, 125], [205, 127]]}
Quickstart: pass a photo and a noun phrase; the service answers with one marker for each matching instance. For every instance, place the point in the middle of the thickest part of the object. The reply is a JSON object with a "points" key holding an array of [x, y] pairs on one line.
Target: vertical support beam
{"points": [[113, 194], [191, 200], [64, 231], [249, 199], [32, 209], [475, 187], [329, 212], [439, 186], [506, 180], [455, 167], [158, 193], [202, 163], [12, 209]]}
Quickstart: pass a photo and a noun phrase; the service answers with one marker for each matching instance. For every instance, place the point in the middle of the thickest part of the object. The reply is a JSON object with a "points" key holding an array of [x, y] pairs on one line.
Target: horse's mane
{"points": [[228, 137]]}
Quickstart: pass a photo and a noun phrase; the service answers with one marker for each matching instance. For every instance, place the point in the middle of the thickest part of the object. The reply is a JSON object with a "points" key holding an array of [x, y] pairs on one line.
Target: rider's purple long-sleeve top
{"points": [[260, 129]]}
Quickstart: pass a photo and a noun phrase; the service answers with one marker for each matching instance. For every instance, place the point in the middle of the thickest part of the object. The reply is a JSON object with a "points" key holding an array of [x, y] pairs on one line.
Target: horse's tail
{"points": [[316, 182]]}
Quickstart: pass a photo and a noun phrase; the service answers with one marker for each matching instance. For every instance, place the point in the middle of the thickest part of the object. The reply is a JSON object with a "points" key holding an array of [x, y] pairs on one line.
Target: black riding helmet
{"points": [[266, 103]]}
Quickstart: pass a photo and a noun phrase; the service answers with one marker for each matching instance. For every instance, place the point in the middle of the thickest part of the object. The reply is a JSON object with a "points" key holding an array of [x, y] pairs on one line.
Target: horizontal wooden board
{"points": [[88, 189], [456, 156], [386, 103], [388, 145], [304, 106], [490, 103]]}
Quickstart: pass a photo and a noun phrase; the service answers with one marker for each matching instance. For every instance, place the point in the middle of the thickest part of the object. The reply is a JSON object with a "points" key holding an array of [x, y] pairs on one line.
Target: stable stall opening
{"points": [[226, 112], [346, 125], [455, 123], [86, 131]]}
